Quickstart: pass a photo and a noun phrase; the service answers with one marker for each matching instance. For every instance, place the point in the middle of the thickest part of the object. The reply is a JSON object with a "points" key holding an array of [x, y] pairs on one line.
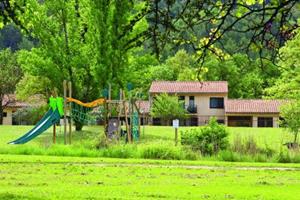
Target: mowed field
{"points": [[44, 177], [61, 177], [271, 137]]}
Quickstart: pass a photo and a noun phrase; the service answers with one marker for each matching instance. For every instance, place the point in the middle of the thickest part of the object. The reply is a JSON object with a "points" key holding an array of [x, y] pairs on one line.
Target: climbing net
{"points": [[86, 113]]}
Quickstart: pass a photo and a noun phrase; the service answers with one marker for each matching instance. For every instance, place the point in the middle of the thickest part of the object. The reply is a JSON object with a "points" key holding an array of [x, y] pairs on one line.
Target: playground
{"points": [[66, 110]]}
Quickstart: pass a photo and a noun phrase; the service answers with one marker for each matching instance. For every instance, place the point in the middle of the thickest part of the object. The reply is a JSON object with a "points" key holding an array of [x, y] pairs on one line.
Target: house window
{"points": [[265, 122], [242, 121], [221, 121], [191, 100], [4, 114], [216, 102], [180, 98]]}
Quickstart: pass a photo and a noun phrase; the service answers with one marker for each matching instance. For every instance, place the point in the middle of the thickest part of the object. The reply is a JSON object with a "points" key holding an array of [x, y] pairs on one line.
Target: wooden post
{"points": [[109, 91], [54, 133], [139, 113], [70, 110], [105, 117], [119, 113], [65, 111], [144, 121], [176, 136], [126, 119]]}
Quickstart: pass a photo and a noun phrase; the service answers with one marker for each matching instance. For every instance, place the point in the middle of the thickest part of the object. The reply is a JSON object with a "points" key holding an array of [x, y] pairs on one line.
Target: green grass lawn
{"points": [[43, 177], [84, 142], [91, 176], [273, 137]]}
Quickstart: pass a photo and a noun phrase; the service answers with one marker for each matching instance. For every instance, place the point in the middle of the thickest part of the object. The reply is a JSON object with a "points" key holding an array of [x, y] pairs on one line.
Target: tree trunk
{"points": [[1, 112], [78, 126], [295, 138]]}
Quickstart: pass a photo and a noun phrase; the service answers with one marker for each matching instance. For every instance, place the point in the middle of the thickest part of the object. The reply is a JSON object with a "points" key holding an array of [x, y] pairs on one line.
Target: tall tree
{"points": [[10, 74], [119, 27], [85, 42], [201, 26], [64, 48], [288, 84], [167, 108]]}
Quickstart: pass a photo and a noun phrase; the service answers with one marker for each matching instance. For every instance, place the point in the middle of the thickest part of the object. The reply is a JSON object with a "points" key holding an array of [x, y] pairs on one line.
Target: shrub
{"points": [[284, 157], [29, 116], [161, 152], [248, 146], [209, 139]]}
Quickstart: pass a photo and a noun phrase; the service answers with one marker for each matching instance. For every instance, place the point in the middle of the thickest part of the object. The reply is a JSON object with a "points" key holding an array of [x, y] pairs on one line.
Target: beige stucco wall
{"points": [[8, 120], [255, 118], [204, 112]]}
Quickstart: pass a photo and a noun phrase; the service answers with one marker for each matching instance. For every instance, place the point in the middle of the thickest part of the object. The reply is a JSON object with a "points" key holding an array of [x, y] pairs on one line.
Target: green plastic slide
{"points": [[49, 119], [46, 122]]}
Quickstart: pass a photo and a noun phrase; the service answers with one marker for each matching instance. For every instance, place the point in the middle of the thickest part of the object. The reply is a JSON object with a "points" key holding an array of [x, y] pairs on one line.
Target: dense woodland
{"points": [[252, 44]]}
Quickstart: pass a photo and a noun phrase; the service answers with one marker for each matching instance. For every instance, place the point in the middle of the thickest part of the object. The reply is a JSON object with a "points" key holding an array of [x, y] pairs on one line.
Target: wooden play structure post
{"points": [[126, 119], [54, 94], [67, 86], [54, 133], [106, 118], [140, 120], [70, 112], [65, 111]]}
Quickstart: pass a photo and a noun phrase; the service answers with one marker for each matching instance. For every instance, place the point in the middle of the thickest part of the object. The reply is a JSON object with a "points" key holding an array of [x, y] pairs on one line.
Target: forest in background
{"points": [[96, 43]]}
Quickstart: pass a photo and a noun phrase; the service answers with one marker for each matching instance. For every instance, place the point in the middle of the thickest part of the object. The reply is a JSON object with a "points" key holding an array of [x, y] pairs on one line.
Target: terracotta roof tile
{"points": [[10, 100], [253, 106], [144, 106], [189, 87]]}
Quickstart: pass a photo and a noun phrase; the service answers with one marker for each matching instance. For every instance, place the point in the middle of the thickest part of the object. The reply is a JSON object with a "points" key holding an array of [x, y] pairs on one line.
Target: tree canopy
{"points": [[10, 74], [167, 107], [96, 43]]}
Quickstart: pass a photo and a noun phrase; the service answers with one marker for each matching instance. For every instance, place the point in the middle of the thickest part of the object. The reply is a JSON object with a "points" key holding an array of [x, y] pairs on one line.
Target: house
{"points": [[204, 100], [11, 105], [252, 112]]}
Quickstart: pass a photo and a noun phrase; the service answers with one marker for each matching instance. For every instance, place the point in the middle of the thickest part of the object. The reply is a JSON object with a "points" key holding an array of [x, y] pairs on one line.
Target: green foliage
{"points": [[161, 152], [208, 140], [30, 85], [245, 78], [62, 52], [30, 115], [290, 112], [10, 74], [167, 107], [288, 85]]}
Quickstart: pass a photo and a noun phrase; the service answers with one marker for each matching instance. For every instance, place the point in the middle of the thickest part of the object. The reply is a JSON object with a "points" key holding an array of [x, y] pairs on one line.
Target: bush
{"points": [[161, 152], [248, 146], [284, 157], [208, 140], [30, 115]]}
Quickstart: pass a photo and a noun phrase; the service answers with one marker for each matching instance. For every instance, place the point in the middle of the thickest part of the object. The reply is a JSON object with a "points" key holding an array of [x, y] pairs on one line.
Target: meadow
{"points": [[81, 171], [156, 142], [44, 177]]}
